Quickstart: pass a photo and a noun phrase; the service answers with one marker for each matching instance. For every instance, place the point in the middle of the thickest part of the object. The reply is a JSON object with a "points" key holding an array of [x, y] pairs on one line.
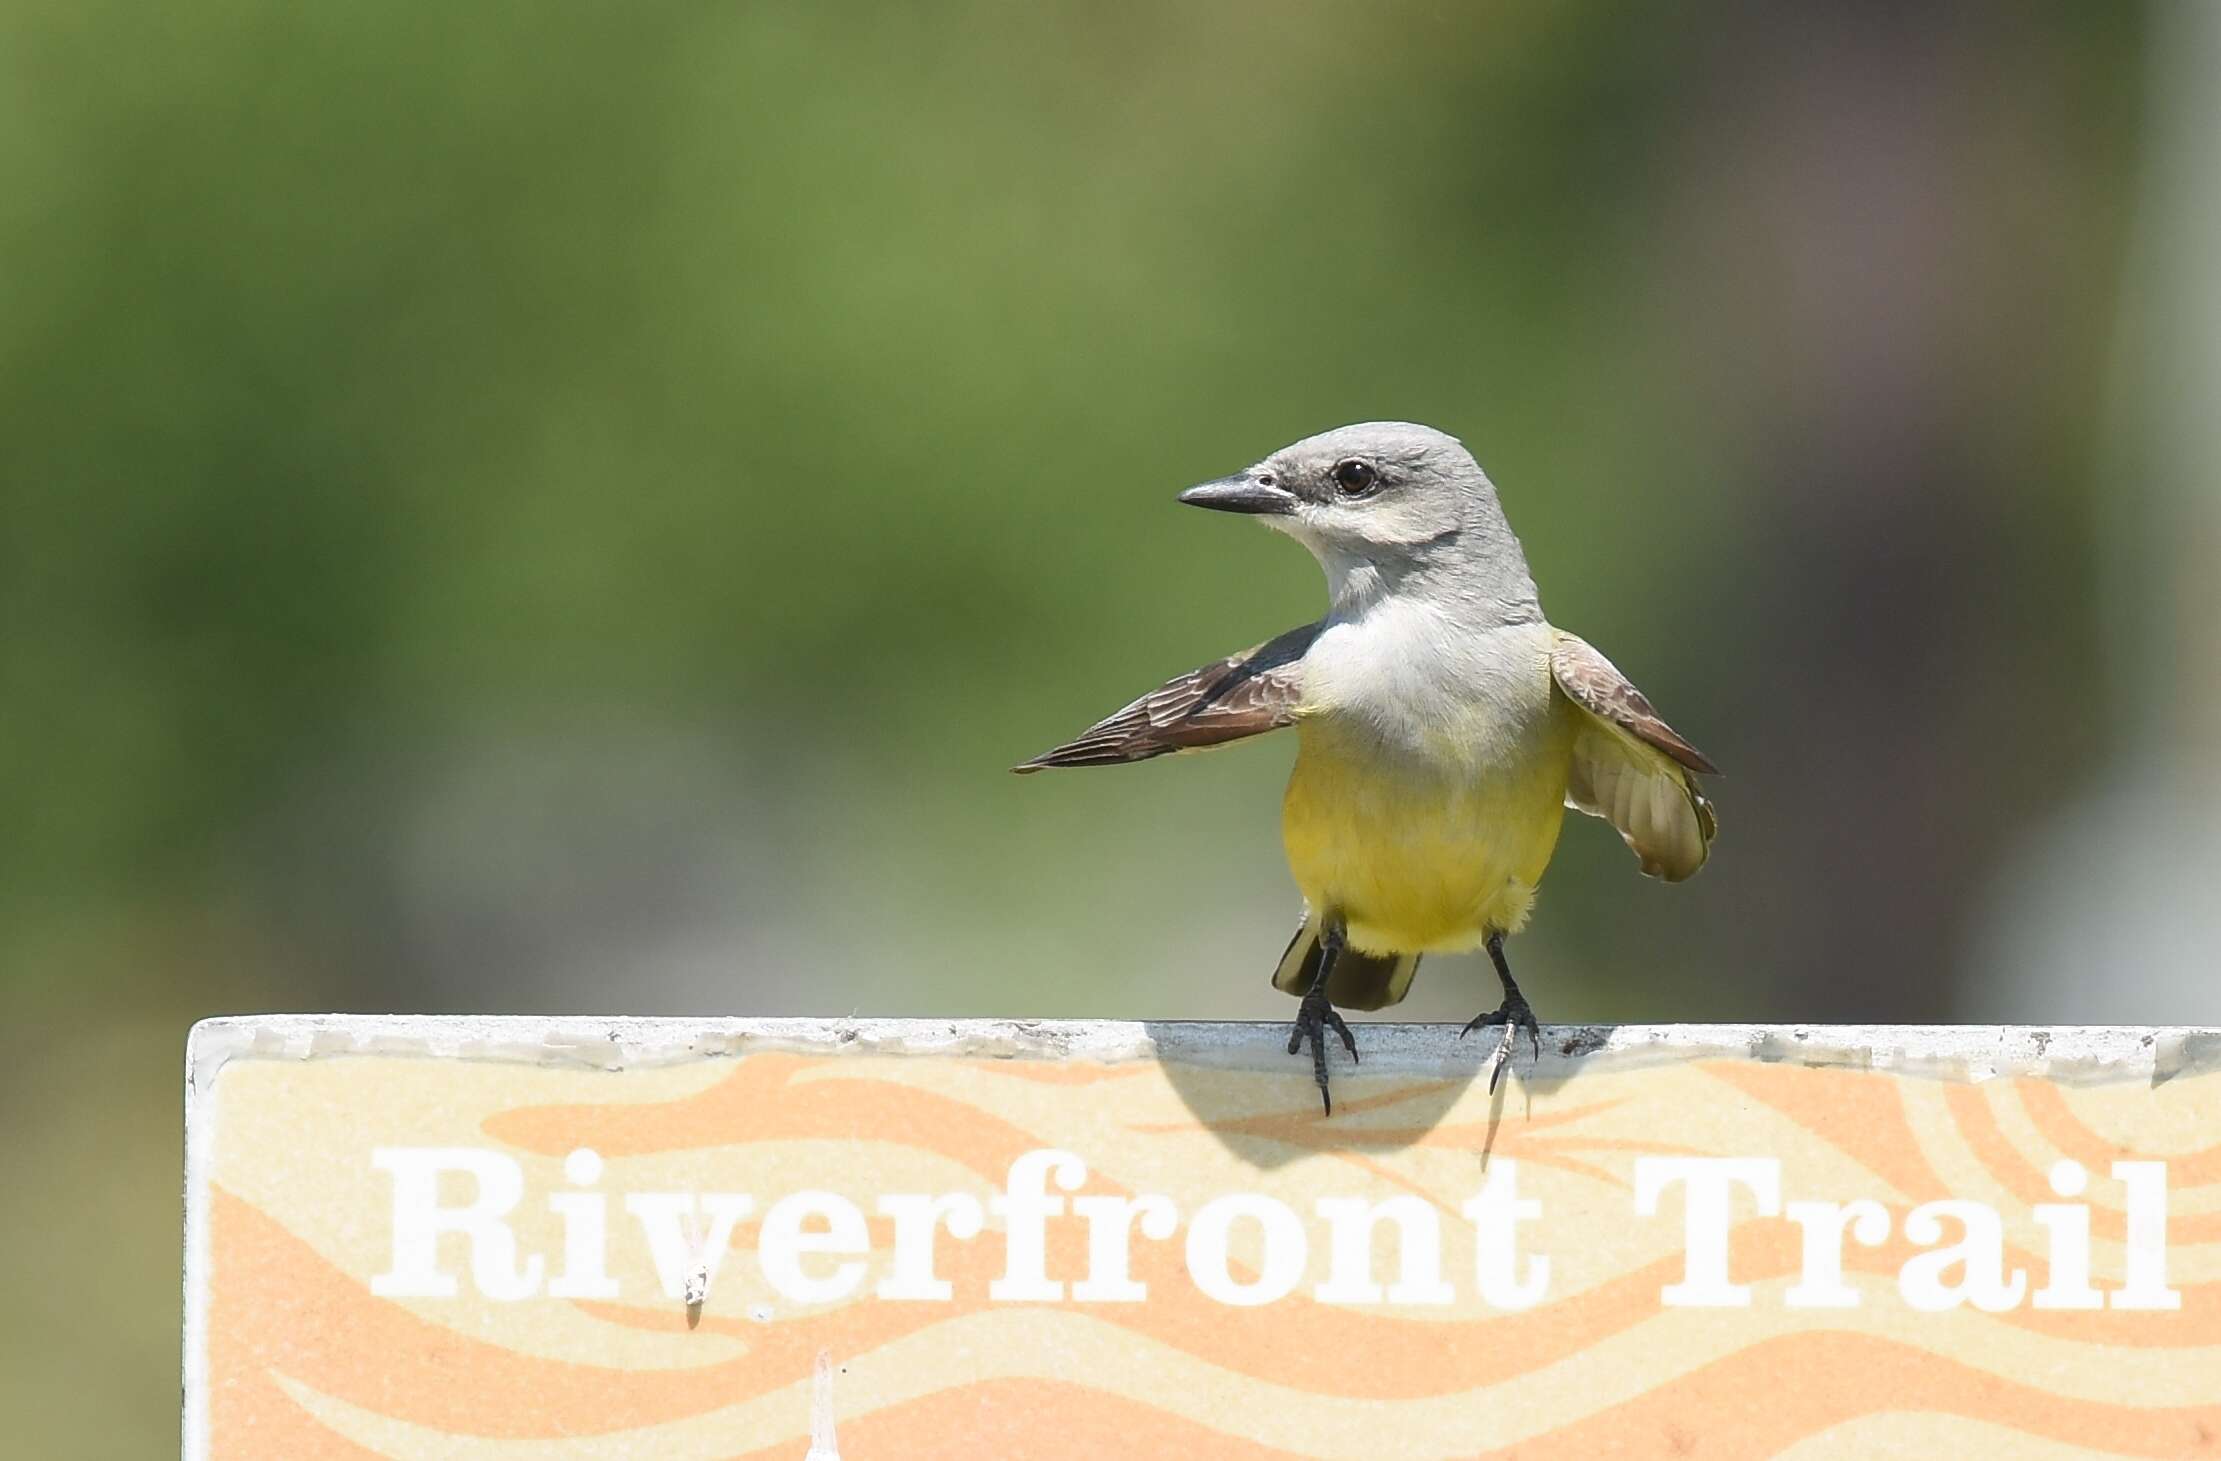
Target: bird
{"points": [[1443, 726]]}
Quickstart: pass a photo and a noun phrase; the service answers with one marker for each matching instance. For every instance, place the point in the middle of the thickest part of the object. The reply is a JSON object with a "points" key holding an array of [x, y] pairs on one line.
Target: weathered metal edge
{"points": [[1967, 1052]]}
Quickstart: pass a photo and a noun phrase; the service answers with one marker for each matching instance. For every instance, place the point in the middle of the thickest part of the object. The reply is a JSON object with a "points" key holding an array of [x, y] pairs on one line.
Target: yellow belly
{"points": [[1418, 855]]}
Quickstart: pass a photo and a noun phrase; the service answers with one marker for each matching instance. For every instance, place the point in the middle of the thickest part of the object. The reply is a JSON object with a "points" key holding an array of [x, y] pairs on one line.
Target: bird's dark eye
{"points": [[1355, 478]]}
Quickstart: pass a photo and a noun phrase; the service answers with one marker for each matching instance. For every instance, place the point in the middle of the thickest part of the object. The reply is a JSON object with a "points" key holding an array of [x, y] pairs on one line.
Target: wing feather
{"points": [[1228, 699], [1631, 768]]}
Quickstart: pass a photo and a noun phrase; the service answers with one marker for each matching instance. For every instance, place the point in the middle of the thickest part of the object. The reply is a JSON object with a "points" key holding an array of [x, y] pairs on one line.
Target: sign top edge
{"points": [[2086, 1053]]}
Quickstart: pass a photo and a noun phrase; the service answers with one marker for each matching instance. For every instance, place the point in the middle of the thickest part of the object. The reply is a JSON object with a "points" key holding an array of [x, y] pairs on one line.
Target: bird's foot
{"points": [[1514, 1016], [1313, 1020]]}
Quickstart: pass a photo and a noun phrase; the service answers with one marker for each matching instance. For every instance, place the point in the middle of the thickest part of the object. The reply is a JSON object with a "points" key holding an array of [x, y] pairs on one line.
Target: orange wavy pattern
{"points": [[1977, 1123], [1863, 1115], [281, 1309], [2047, 1107], [1738, 1407], [1002, 1420], [757, 1102], [1860, 1113]]}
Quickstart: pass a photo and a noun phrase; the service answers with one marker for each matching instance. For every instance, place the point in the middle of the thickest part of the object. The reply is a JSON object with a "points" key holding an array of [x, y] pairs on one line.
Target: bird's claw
{"points": [[1313, 1020], [1514, 1016]]}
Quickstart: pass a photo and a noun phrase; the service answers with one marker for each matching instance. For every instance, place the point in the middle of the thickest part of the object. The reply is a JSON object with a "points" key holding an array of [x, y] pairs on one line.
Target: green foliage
{"points": [[562, 505]]}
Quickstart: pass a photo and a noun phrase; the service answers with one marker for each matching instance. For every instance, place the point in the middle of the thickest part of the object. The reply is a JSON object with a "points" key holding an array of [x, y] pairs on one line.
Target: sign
{"points": [[909, 1241]]}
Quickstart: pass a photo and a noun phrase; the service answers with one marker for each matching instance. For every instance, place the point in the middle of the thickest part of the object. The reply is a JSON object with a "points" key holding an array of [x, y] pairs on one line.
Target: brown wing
{"points": [[1631, 768], [1242, 695], [1595, 684]]}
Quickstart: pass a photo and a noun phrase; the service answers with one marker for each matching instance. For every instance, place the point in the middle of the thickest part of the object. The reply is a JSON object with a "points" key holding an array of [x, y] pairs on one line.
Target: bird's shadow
{"points": [[1413, 1086]]}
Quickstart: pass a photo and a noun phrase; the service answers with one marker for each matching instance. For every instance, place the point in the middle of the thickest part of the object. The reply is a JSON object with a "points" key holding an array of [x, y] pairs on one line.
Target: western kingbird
{"points": [[1442, 727]]}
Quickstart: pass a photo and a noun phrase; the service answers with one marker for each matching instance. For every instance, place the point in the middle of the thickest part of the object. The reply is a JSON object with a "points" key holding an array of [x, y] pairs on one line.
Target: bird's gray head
{"points": [[1386, 504]]}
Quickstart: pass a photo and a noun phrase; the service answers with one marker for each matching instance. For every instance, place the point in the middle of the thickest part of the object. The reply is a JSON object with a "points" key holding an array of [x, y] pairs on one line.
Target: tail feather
{"points": [[1359, 981]]}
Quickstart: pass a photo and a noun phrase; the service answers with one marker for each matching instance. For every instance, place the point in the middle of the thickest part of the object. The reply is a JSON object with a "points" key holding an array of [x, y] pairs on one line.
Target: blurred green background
{"points": [[573, 508]]}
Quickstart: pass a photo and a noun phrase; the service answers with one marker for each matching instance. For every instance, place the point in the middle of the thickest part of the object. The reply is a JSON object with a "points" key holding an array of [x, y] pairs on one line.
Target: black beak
{"points": [[1243, 493]]}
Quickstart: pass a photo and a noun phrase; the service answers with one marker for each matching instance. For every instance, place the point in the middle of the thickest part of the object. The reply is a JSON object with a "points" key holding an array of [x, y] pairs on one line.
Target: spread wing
{"points": [[1242, 695], [1631, 768]]}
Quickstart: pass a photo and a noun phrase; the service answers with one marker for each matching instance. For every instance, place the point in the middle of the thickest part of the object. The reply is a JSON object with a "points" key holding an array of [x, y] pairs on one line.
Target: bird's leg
{"points": [[1513, 1015], [1317, 1015]]}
